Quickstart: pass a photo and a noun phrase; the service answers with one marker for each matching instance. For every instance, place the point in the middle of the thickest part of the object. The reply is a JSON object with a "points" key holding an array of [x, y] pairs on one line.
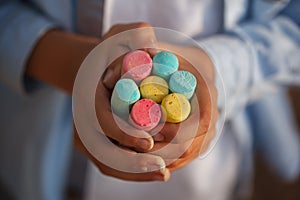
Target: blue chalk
{"points": [[127, 90], [183, 82], [164, 64], [125, 93]]}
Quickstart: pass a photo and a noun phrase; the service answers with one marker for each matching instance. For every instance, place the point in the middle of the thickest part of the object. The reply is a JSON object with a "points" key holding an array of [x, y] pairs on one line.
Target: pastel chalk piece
{"points": [[183, 82], [164, 64], [137, 65], [125, 93], [145, 114], [154, 88], [177, 107]]}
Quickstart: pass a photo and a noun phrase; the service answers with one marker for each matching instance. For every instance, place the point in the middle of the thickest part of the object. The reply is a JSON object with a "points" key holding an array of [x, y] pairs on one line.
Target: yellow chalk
{"points": [[154, 88], [177, 107]]}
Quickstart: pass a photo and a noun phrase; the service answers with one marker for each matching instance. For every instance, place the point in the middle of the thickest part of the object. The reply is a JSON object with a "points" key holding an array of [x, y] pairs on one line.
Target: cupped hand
{"points": [[138, 166], [177, 144]]}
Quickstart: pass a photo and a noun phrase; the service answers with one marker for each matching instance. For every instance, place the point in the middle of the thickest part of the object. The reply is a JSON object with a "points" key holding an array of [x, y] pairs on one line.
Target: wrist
{"points": [[57, 58]]}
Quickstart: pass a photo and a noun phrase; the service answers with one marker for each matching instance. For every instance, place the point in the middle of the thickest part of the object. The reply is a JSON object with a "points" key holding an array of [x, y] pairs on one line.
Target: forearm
{"points": [[57, 57]]}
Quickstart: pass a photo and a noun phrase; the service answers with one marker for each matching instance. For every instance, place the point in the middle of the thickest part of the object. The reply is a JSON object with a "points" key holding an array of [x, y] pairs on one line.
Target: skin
{"points": [[190, 144], [59, 69]]}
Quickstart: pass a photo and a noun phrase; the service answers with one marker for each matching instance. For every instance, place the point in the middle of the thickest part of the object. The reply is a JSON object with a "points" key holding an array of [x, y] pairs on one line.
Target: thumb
{"points": [[139, 35], [112, 73]]}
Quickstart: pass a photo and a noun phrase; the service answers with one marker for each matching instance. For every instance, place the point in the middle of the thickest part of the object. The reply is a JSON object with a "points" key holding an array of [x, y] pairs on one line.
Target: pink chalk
{"points": [[145, 114], [137, 65]]}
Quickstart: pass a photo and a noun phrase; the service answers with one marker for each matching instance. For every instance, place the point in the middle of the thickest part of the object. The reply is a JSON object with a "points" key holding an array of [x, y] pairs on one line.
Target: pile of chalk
{"points": [[152, 90]]}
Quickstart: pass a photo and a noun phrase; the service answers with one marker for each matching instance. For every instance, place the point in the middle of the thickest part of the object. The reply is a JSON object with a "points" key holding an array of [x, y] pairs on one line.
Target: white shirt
{"points": [[192, 17]]}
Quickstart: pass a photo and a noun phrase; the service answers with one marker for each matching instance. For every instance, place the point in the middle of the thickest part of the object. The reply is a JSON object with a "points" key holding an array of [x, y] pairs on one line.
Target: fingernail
{"points": [[151, 168], [159, 177], [157, 164], [144, 144], [158, 137]]}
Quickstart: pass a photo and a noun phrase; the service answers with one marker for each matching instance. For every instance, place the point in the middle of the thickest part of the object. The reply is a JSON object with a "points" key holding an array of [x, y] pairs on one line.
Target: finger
{"points": [[179, 132], [204, 102], [165, 132], [169, 132], [123, 159], [142, 37], [174, 151], [121, 27], [191, 154], [203, 98], [205, 92], [207, 143], [131, 136], [187, 157], [168, 150], [112, 73], [180, 163], [131, 37], [211, 123], [162, 175], [158, 175]]}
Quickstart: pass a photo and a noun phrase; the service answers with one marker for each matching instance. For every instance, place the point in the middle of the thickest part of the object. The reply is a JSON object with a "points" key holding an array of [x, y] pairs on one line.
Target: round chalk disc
{"points": [[137, 65], [164, 64], [177, 107], [154, 88], [145, 114], [183, 82]]}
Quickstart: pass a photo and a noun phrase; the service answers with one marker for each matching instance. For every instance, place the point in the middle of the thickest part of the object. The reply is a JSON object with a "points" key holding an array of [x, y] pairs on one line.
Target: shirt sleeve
{"points": [[21, 26], [253, 58]]}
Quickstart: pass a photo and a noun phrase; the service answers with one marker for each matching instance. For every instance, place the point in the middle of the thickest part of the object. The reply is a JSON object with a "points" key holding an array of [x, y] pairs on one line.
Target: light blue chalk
{"points": [[183, 82], [125, 93], [164, 64]]}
